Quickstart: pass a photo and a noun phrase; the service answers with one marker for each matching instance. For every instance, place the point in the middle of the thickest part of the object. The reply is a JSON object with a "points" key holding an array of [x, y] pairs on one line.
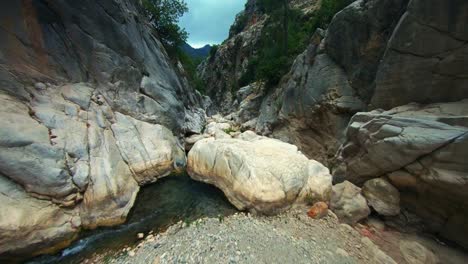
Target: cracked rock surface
{"points": [[421, 150], [259, 174], [91, 108]]}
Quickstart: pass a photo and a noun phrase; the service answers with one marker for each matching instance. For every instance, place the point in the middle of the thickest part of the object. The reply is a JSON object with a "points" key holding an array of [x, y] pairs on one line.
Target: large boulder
{"points": [[382, 196], [348, 203], [422, 150], [259, 174]]}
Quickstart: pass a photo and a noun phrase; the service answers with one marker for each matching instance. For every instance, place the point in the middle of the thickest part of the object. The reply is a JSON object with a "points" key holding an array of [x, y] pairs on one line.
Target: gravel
{"points": [[242, 238]]}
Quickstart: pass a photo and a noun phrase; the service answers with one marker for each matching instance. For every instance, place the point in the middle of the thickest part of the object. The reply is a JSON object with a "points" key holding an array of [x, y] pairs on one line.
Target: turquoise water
{"points": [[158, 206]]}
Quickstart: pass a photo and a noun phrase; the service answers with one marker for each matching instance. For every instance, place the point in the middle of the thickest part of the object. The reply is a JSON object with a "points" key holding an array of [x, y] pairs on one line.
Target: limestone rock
{"points": [[61, 139], [348, 203], [415, 253], [190, 141], [382, 196], [421, 149], [151, 151], [378, 256], [214, 127], [412, 70], [30, 226], [261, 175]]}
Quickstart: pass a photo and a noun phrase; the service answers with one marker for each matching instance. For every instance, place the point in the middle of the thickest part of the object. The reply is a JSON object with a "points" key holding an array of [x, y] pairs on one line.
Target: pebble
{"points": [[40, 86]]}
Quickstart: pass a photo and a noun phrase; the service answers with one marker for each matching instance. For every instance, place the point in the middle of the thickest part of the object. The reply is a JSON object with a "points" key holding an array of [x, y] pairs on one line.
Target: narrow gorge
{"points": [[319, 131]]}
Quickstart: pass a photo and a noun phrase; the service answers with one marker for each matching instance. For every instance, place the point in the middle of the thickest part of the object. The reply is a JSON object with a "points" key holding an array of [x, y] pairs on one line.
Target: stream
{"points": [[158, 206]]}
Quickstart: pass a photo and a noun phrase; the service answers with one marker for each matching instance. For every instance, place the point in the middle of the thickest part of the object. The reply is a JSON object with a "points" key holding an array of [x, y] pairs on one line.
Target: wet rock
{"points": [[348, 203], [382, 196]]}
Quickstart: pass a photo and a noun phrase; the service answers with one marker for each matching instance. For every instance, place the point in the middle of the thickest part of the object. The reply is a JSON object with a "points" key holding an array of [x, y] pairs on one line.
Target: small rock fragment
{"points": [[318, 210]]}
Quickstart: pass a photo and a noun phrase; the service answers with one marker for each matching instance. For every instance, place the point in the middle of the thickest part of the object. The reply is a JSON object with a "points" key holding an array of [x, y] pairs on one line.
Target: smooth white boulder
{"points": [[260, 175]]}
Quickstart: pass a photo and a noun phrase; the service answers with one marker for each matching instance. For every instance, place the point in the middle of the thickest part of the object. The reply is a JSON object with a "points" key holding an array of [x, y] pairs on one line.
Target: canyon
{"points": [[370, 120]]}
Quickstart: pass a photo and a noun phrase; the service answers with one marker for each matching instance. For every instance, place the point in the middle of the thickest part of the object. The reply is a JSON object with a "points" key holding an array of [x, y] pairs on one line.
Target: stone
{"points": [[151, 151], [318, 210], [40, 86], [140, 235], [378, 256], [190, 141], [411, 70], [382, 196], [415, 253], [27, 221], [376, 223], [112, 189], [348, 203], [64, 108], [419, 148], [262, 175], [214, 127]]}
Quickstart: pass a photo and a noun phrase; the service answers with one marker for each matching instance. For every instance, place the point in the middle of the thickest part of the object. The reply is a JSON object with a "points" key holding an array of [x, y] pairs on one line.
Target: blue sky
{"points": [[208, 21]]}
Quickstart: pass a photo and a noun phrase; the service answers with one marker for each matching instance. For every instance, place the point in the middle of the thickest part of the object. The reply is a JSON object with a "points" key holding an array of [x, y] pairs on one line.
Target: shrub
{"points": [[190, 66], [213, 51], [164, 16], [274, 60]]}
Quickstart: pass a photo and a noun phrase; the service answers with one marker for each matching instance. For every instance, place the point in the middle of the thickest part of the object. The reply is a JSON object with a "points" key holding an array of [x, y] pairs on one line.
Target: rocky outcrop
{"points": [[421, 150], [348, 203], [259, 174], [222, 71], [378, 55], [426, 55], [91, 108]]}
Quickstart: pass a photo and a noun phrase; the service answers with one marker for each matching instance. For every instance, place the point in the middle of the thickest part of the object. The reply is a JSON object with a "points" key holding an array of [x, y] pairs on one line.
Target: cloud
{"points": [[208, 21]]}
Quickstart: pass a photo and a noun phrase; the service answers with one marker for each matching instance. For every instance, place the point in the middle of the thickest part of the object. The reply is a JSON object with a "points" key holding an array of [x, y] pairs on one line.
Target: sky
{"points": [[208, 21]]}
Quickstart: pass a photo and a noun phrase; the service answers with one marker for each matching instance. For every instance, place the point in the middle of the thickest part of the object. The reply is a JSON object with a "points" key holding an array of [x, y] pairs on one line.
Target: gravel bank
{"points": [[288, 238]]}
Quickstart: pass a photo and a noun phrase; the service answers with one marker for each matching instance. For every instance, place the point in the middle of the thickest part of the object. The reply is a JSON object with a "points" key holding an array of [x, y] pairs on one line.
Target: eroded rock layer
{"points": [[91, 108]]}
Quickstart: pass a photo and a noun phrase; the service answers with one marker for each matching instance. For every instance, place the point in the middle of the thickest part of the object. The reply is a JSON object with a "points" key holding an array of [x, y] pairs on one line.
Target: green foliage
{"points": [[213, 51], [249, 75], [241, 23], [274, 61], [190, 66], [164, 16], [270, 6]]}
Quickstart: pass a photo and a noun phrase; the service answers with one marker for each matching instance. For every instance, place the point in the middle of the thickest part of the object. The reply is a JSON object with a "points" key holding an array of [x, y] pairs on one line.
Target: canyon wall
{"points": [[91, 109], [377, 93]]}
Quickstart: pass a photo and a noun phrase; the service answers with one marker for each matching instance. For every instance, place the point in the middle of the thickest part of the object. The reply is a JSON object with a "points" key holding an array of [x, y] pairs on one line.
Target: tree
{"points": [[164, 16]]}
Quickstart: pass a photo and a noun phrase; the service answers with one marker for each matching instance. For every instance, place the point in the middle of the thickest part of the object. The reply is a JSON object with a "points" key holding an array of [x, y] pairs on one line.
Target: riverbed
{"points": [[170, 200]]}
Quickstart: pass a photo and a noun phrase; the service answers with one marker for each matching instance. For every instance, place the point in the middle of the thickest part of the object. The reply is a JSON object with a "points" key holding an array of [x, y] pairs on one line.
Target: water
{"points": [[158, 206]]}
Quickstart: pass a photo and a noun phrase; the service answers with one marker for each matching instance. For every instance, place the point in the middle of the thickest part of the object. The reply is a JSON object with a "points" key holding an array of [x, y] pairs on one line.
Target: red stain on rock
{"points": [[318, 210], [366, 232]]}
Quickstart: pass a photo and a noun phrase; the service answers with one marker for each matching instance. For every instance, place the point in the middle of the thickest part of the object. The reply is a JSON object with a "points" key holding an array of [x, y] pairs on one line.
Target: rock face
{"points": [[382, 196], [348, 203], [421, 149], [222, 71], [259, 174], [89, 102], [412, 70], [415, 253]]}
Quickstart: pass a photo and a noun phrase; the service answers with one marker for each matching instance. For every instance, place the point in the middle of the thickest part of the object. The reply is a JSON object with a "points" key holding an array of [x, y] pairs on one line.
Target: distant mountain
{"points": [[196, 53]]}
